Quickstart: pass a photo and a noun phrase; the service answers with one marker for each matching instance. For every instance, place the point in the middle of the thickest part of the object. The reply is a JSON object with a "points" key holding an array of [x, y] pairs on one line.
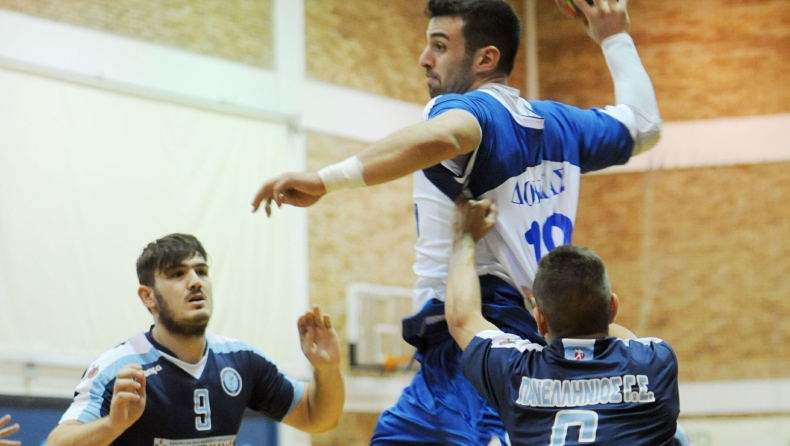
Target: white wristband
{"points": [[346, 174]]}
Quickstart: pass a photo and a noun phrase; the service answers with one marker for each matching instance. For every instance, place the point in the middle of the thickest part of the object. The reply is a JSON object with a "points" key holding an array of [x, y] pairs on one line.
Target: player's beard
{"points": [[458, 79], [169, 322]]}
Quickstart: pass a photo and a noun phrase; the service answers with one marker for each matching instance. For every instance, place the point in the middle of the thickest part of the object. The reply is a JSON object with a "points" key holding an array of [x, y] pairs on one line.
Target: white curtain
{"points": [[88, 177]]}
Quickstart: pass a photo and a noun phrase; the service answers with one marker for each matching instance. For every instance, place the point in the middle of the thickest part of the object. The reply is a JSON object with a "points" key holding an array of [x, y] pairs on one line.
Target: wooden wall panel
{"points": [[701, 258], [370, 46], [354, 429], [237, 30], [707, 58], [375, 46]]}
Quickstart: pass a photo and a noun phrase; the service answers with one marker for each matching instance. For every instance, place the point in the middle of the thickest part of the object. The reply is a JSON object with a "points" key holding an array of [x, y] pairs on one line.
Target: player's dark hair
{"points": [[572, 291], [486, 22], [165, 253]]}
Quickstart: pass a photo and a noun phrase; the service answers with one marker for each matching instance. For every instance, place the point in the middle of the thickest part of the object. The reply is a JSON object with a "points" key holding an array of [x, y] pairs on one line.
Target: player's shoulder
{"points": [[496, 339], [558, 114], [548, 108], [137, 346], [646, 341], [470, 101], [229, 345], [135, 350], [648, 347], [448, 100]]}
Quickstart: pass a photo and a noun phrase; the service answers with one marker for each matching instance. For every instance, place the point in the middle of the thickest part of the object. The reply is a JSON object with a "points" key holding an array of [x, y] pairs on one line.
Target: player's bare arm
{"points": [[463, 306], [126, 407], [8, 431], [453, 133], [323, 399]]}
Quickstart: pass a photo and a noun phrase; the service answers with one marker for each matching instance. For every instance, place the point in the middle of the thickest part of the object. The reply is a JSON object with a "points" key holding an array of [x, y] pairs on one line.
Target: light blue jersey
{"points": [[203, 403]]}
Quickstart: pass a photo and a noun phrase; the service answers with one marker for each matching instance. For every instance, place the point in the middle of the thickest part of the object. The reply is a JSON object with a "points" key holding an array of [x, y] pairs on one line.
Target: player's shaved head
{"points": [[165, 253], [572, 291]]}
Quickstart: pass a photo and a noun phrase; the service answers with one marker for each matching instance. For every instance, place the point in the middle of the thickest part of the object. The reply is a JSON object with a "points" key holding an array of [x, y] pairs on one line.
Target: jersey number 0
{"points": [[586, 420]]}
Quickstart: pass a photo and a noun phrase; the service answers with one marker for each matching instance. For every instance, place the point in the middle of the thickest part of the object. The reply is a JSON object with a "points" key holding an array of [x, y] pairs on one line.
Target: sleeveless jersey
{"points": [[529, 161], [577, 391], [196, 404]]}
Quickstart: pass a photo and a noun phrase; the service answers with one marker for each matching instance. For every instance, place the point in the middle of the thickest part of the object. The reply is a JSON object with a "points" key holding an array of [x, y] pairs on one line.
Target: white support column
{"points": [[289, 54], [531, 25], [289, 59]]}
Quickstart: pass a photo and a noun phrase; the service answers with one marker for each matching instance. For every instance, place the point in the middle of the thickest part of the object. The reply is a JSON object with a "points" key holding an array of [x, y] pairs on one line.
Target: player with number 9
{"points": [[179, 384]]}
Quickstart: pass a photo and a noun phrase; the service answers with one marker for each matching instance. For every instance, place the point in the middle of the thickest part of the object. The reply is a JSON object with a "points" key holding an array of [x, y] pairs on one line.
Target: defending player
{"points": [[528, 156], [585, 386], [178, 382]]}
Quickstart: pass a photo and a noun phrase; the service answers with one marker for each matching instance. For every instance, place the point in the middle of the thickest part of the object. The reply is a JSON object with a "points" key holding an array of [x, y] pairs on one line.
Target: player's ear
{"points": [[614, 305], [146, 295], [486, 59], [543, 325]]}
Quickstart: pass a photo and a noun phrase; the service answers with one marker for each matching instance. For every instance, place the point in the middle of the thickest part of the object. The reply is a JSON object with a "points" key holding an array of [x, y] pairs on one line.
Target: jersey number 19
{"points": [[535, 233]]}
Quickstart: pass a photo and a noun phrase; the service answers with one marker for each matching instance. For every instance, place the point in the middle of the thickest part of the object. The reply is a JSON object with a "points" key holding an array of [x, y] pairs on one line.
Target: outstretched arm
{"points": [[463, 305], [608, 24], [323, 399], [126, 407], [7, 431], [453, 133]]}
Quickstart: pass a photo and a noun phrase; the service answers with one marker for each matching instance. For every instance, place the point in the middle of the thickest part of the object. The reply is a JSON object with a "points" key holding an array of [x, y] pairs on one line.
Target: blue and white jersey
{"points": [[529, 161], [188, 401], [577, 391]]}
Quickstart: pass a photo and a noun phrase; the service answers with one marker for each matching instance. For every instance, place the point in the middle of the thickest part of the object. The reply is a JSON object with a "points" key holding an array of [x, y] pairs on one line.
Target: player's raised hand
{"points": [[474, 217], [320, 343], [7, 431], [128, 397], [299, 189], [605, 18]]}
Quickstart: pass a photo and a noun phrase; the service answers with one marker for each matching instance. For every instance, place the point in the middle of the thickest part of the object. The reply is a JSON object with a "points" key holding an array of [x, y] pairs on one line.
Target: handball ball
{"points": [[390, 363], [570, 8]]}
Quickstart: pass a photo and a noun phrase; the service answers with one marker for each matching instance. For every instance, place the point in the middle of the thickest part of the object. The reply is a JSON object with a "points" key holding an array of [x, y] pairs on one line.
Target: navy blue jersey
{"points": [[577, 391], [188, 401]]}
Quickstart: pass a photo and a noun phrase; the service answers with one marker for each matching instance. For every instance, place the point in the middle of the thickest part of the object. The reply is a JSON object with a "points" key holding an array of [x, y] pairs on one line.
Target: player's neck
{"points": [[186, 348], [550, 338], [494, 78]]}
